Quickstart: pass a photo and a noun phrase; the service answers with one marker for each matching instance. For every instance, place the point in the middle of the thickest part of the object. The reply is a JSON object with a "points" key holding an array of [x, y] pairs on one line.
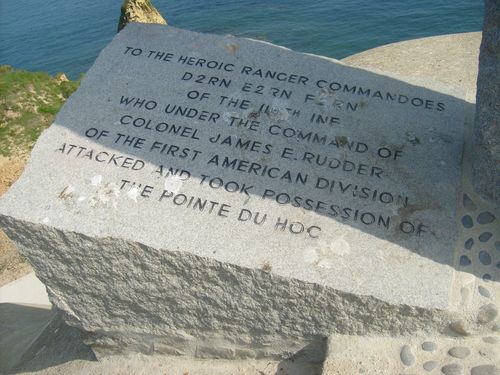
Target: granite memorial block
{"points": [[486, 163], [218, 196]]}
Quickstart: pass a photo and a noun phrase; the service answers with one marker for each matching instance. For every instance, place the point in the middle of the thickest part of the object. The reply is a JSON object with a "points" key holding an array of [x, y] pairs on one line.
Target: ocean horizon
{"points": [[59, 36]]}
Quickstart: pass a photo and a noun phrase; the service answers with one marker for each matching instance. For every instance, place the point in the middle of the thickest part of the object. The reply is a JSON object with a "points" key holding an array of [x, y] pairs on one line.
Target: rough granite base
{"points": [[286, 315]]}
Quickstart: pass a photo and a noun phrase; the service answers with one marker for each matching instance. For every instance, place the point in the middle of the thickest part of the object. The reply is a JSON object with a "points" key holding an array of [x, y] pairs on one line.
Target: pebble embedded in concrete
{"points": [[487, 313], [491, 340], [407, 356], [468, 244], [485, 258], [485, 217], [429, 346], [485, 236], [465, 261], [459, 352], [452, 369], [459, 327], [430, 365], [485, 370], [484, 292], [467, 221]]}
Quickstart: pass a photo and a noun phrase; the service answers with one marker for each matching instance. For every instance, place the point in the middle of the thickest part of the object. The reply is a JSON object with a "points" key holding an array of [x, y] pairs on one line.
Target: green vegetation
{"points": [[29, 102]]}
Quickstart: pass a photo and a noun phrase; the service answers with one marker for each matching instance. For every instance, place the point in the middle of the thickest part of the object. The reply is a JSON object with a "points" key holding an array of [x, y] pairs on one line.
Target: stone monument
{"points": [[486, 162], [220, 197]]}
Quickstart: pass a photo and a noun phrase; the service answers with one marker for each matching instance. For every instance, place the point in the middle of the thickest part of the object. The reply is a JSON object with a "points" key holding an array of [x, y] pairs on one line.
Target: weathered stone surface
{"points": [[235, 226], [139, 11], [486, 161]]}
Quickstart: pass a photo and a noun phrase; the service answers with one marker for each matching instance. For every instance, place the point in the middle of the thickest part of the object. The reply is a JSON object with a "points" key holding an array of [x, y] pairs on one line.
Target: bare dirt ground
{"points": [[12, 265]]}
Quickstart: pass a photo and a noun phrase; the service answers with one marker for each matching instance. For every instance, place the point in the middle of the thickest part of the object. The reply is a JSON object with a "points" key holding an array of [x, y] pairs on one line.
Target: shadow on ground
{"points": [[34, 338], [309, 360]]}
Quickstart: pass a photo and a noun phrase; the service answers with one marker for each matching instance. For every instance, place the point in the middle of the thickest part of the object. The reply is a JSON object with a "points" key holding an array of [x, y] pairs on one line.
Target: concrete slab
{"points": [[28, 290], [411, 355], [451, 59]]}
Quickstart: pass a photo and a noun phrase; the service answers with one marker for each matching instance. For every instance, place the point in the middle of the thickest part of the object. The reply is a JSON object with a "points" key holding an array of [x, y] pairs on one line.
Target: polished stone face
{"points": [[255, 156]]}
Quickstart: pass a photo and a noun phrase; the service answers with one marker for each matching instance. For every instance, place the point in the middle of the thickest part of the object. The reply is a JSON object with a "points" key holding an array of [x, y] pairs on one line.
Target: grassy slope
{"points": [[28, 104]]}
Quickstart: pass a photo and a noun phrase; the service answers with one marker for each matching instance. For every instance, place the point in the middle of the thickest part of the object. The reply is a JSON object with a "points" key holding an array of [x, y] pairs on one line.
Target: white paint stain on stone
{"points": [[326, 255], [325, 263], [311, 255], [340, 246], [226, 116], [278, 112], [173, 184], [105, 195], [96, 180], [133, 193]]}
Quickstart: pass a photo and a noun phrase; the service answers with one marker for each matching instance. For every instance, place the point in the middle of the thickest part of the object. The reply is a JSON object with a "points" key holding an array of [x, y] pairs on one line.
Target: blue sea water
{"points": [[67, 36]]}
